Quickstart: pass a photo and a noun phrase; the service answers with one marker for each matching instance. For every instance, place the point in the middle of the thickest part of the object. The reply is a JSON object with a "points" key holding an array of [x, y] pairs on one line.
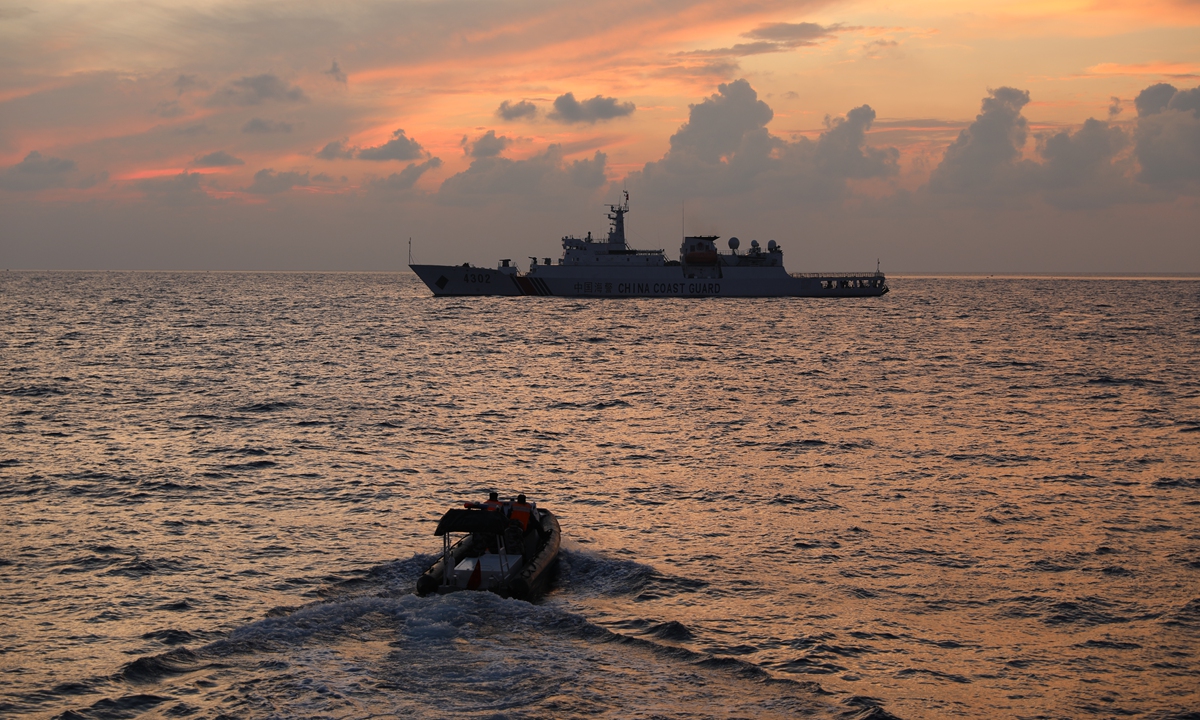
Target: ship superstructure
{"points": [[608, 267]]}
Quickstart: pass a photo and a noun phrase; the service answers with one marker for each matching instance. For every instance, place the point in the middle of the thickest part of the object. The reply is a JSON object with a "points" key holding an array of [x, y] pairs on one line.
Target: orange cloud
{"points": [[1161, 69], [611, 51]]}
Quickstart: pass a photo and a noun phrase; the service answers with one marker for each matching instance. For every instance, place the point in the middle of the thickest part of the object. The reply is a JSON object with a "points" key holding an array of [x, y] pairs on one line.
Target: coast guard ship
{"points": [[592, 267]]}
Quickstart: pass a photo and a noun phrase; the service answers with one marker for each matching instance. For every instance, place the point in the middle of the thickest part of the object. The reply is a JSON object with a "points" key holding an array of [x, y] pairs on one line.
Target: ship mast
{"points": [[616, 234]]}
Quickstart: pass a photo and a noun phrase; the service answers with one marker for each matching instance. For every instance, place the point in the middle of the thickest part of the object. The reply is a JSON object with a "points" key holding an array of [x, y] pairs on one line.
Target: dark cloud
{"points": [[712, 69], [179, 190], [1185, 101], [1080, 171], [569, 110], [1071, 156], [399, 147], [725, 149], [775, 37], [515, 111], [589, 173], [269, 182], [842, 151], [406, 178], [336, 73], [486, 145], [256, 90], [543, 175], [1154, 99], [258, 126], [92, 180], [337, 150], [986, 155], [197, 129], [1114, 107], [1168, 135], [184, 83], [738, 50], [37, 172], [799, 33], [220, 158], [168, 109]]}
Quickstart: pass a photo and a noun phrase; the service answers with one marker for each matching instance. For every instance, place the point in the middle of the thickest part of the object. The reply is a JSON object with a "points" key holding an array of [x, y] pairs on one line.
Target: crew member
{"points": [[523, 512], [492, 504]]}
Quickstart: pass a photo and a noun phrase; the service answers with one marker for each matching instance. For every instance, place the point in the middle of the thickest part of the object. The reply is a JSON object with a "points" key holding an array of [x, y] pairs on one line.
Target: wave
{"points": [[266, 407], [585, 573], [32, 391], [473, 654]]}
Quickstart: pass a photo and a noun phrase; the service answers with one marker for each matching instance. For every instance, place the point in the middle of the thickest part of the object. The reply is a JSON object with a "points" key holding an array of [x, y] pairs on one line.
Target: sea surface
{"points": [[971, 498]]}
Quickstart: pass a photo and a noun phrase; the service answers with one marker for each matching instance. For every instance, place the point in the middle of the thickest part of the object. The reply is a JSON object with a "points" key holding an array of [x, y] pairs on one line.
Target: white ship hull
{"points": [[666, 281], [466, 280]]}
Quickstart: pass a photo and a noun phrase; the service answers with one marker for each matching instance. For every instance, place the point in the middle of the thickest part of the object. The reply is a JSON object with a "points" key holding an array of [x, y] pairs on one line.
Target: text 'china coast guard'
{"points": [[591, 267]]}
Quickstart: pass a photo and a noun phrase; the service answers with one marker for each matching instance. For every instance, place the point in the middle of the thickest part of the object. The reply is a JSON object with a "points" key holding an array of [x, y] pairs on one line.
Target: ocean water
{"points": [[970, 498]]}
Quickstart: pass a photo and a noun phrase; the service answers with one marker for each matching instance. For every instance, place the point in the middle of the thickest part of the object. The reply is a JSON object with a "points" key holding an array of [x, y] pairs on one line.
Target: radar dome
{"points": [[734, 243], [772, 245], [753, 243]]}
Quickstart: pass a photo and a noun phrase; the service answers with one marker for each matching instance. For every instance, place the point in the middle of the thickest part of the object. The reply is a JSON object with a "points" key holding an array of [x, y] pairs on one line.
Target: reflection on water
{"points": [[969, 498]]}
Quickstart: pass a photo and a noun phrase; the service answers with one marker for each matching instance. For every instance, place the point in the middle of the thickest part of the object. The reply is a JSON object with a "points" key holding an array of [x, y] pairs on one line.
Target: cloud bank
{"points": [[725, 148], [1168, 135], [545, 175], [1087, 167]]}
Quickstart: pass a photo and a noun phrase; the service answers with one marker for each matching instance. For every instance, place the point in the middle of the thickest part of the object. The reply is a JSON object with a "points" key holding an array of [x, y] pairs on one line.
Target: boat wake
{"points": [[374, 648]]}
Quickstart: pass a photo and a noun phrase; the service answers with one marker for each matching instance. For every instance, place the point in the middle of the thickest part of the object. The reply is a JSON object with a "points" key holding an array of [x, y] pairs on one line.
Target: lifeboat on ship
{"points": [[485, 546], [699, 250]]}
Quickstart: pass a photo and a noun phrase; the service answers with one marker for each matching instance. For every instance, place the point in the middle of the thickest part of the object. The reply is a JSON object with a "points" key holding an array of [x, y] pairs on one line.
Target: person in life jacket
{"points": [[492, 504], [523, 512]]}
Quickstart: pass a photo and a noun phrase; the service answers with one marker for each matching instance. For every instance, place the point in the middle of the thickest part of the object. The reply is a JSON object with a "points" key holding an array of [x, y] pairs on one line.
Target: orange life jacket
{"points": [[521, 512], [492, 505]]}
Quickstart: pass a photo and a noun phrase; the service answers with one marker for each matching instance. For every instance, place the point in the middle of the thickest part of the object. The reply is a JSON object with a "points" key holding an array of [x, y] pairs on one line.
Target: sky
{"points": [[927, 136]]}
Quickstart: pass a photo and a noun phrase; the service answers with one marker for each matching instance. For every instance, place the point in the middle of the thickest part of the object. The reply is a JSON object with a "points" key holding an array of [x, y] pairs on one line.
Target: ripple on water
{"points": [[982, 480]]}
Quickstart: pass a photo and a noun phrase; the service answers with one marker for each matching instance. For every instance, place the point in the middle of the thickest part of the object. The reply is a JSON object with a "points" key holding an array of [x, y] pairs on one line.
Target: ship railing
{"points": [[837, 275], [631, 251]]}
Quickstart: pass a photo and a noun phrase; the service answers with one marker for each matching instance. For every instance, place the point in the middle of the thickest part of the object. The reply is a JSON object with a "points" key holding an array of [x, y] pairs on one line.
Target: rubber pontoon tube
{"points": [[432, 578], [536, 572]]}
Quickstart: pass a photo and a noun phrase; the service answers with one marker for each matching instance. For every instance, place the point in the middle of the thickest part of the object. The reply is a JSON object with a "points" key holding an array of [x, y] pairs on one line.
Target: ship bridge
{"points": [[611, 251]]}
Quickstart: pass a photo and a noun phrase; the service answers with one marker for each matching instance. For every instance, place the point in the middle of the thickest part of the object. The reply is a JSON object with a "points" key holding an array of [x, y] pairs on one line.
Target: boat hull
{"points": [[664, 281], [466, 280]]}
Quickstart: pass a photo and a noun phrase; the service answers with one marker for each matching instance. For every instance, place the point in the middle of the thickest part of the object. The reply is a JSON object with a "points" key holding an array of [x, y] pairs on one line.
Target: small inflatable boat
{"points": [[493, 551]]}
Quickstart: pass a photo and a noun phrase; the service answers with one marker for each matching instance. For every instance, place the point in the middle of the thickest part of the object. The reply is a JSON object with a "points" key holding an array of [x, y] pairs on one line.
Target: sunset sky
{"points": [[932, 136]]}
